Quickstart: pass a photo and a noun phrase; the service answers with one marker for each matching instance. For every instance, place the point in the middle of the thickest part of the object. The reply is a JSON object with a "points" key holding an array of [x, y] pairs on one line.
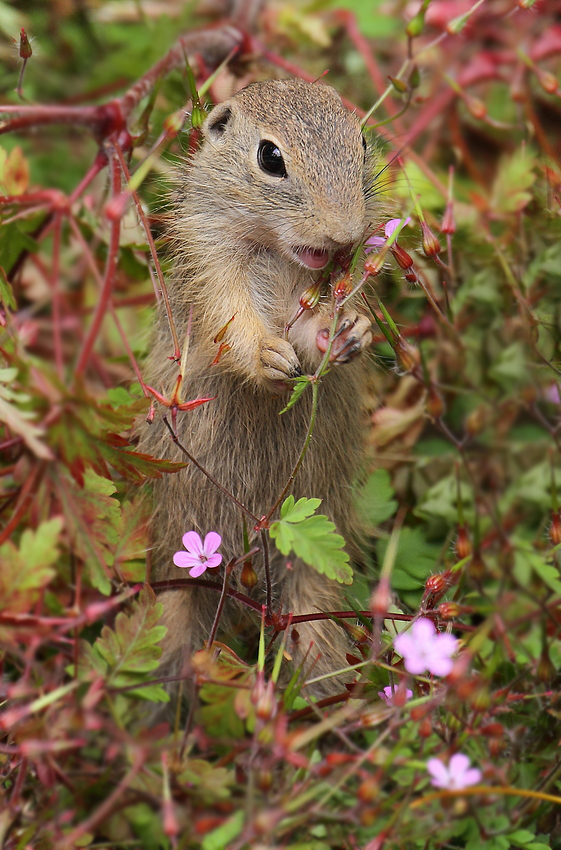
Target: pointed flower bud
{"points": [[248, 575], [343, 287], [401, 257], [434, 404], [462, 546], [198, 116], [545, 671], [449, 610], [448, 222], [431, 245], [399, 85], [475, 107], [554, 530], [263, 698], [310, 297], [407, 355], [25, 50], [547, 81], [374, 263]]}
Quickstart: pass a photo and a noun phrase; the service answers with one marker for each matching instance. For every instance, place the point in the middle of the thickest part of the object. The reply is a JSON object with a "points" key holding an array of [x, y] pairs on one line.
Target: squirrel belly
{"points": [[280, 184]]}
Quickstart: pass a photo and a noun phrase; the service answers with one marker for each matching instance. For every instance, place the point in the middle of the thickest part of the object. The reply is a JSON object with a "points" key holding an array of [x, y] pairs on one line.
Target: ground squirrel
{"points": [[282, 181]]}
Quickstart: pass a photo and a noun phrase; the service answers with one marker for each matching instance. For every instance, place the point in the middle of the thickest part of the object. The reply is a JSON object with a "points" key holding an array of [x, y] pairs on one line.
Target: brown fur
{"points": [[233, 232]]}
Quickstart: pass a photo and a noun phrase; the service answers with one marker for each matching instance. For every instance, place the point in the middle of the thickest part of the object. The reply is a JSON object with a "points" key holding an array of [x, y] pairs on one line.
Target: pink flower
{"points": [[423, 649], [390, 692], [391, 225], [456, 776], [199, 556]]}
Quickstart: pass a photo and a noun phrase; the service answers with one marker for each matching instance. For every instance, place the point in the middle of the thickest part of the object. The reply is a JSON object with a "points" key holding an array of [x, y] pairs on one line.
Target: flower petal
{"points": [[439, 773], [423, 632], [439, 665], [471, 777], [447, 644], [193, 543], [198, 569], [458, 764], [213, 561], [415, 663], [394, 223], [404, 643], [212, 542], [185, 560]]}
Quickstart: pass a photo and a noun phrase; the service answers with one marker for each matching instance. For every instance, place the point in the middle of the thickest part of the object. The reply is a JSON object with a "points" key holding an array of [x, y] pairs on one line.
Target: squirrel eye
{"points": [[270, 159]]}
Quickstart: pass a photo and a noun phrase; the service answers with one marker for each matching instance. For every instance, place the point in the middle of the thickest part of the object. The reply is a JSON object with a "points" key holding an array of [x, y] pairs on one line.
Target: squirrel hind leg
{"points": [[322, 645]]}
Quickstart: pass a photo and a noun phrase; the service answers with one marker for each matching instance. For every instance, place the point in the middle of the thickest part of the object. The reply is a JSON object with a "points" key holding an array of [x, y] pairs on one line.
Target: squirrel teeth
{"points": [[312, 258]]}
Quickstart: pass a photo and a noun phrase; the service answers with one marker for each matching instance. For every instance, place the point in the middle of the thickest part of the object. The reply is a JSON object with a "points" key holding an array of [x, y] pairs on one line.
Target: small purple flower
{"points": [[390, 692], [199, 556], [391, 225], [423, 649], [456, 776]]}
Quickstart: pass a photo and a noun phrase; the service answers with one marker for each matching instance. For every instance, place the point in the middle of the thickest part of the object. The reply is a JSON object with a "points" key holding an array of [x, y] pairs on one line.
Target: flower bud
{"points": [[411, 277], [448, 222], [462, 546], [401, 257], [415, 77], [248, 575], [480, 699], [173, 123], [438, 584], [449, 610], [25, 51], [368, 790], [425, 728], [554, 530], [399, 85], [434, 404], [547, 81], [545, 671], [374, 263], [407, 356], [381, 598], [310, 297], [263, 698], [343, 287], [431, 245], [416, 25], [198, 116], [476, 107]]}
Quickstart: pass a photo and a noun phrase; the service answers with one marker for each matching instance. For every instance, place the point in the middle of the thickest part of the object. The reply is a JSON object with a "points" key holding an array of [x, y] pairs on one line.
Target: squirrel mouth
{"points": [[312, 258]]}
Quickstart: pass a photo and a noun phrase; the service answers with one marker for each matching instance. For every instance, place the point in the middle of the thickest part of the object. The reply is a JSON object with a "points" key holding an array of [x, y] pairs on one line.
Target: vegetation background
{"points": [[458, 500]]}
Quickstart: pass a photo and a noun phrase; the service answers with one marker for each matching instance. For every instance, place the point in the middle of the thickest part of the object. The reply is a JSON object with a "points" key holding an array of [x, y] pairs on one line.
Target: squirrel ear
{"points": [[217, 121]]}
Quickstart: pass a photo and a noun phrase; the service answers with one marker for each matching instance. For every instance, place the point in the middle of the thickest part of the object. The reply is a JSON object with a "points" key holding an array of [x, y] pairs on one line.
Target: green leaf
{"points": [[6, 293], [375, 503], [24, 571], [415, 559], [131, 649], [299, 387], [291, 512], [92, 518], [313, 539], [218, 839]]}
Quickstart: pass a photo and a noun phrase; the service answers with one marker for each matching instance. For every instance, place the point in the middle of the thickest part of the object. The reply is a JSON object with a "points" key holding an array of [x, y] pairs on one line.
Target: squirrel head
{"points": [[289, 168]]}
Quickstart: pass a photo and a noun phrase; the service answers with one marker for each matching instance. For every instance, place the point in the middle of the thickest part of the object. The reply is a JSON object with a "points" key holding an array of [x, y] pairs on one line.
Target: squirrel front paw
{"points": [[353, 335], [277, 363]]}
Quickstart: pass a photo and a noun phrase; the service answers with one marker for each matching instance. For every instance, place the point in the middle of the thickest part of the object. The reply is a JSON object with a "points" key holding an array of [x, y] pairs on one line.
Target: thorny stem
{"points": [[105, 808], [210, 477], [267, 569], [55, 285], [214, 629], [109, 276], [314, 382], [93, 267], [155, 259]]}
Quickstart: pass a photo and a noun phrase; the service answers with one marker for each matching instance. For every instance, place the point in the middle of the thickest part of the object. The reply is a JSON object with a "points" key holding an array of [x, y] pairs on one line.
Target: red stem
{"points": [[108, 277]]}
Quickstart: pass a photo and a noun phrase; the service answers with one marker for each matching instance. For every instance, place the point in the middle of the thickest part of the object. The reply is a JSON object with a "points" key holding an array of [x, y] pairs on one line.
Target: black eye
{"points": [[270, 159]]}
